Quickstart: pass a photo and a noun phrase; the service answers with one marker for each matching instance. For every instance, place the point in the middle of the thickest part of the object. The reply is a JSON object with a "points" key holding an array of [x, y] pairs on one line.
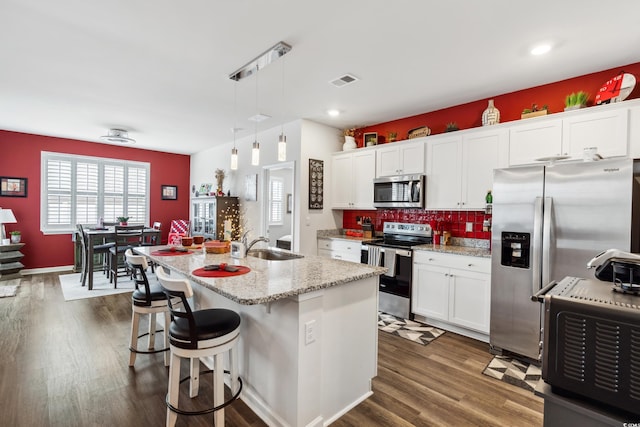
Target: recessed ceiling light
{"points": [[541, 49], [333, 113]]}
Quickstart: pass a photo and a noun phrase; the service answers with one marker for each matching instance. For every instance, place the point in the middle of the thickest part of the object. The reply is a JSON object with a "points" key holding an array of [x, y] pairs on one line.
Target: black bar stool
{"points": [[147, 299], [195, 334]]}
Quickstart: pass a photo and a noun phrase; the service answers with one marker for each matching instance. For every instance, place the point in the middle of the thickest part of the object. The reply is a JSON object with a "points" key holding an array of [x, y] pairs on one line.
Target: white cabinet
{"points": [[461, 168], [454, 289], [538, 139], [606, 129], [352, 179], [401, 158], [346, 250]]}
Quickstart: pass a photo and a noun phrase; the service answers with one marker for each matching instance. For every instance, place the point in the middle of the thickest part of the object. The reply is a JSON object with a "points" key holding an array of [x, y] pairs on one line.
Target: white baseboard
{"points": [[453, 328], [348, 408], [31, 271]]}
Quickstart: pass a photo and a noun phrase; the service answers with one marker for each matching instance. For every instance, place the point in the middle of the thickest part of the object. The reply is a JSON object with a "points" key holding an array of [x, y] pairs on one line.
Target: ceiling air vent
{"points": [[344, 80]]}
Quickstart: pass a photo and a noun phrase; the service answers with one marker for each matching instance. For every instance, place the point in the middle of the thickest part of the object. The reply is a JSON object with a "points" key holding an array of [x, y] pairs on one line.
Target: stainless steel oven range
{"points": [[394, 252]]}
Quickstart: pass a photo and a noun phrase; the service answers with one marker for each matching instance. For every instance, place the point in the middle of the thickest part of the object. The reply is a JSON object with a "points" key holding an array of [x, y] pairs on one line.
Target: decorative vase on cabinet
{"points": [[490, 116], [349, 143]]}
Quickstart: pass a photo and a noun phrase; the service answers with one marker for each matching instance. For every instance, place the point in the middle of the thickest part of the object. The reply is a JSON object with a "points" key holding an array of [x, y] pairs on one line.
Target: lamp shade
{"points": [[7, 217]]}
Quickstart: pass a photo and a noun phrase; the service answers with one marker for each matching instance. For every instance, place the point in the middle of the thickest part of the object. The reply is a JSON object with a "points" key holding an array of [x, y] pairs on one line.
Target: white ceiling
{"points": [[159, 69]]}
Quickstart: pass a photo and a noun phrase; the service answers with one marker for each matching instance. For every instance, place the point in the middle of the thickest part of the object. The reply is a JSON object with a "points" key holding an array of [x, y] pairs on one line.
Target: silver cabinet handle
{"points": [[469, 265]]}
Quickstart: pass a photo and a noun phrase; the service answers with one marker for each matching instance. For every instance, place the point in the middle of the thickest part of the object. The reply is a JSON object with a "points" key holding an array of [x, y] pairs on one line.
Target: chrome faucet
{"points": [[253, 242]]}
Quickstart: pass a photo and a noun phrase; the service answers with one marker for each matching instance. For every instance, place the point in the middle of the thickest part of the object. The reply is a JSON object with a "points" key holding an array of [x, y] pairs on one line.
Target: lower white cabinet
{"points": [[346, 250], [454, 289]]}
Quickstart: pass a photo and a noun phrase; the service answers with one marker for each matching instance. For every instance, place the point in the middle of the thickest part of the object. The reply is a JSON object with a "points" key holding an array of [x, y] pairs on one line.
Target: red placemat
{"points": [[169, 253], [221, 273]]}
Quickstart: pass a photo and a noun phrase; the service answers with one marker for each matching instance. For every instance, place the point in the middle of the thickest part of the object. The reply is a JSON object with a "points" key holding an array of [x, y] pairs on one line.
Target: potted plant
{"points": [[15, 236], [451, 127], [534, 111], [122, 220], [575, 101]]}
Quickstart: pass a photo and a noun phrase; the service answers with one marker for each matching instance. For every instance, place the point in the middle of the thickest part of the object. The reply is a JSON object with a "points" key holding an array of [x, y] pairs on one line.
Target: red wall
{"points": [[469, 116], [21, 158], [510, 105]]}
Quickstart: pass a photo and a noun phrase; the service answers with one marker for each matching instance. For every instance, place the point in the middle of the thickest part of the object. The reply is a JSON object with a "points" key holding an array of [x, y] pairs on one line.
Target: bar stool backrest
{"points": [[138, 264], [180, 313]]}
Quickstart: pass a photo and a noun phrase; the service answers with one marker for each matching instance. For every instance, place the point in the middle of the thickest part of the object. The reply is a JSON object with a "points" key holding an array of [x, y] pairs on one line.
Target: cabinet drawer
{"points": [[463, 262], [340, 245]]}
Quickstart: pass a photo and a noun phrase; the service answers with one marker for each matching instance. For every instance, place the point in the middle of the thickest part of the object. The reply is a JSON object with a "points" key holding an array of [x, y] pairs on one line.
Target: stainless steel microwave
{"points": [[402, 191]]}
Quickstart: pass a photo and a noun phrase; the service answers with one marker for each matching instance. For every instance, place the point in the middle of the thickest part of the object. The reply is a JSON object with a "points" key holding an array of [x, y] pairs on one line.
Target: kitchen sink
{"points": [[273, 254]]}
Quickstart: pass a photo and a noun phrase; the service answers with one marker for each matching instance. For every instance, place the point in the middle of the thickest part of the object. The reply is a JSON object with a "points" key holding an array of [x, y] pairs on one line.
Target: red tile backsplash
{"points": [[452, 221]]}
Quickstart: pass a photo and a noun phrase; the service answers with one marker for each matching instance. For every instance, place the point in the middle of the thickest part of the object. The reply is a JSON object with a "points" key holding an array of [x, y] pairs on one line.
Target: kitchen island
{"points": [[308, 339]]}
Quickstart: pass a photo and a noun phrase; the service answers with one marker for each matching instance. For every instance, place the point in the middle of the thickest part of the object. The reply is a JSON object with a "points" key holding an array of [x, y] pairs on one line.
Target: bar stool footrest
{"points": [[161, 350], [204, 411]]}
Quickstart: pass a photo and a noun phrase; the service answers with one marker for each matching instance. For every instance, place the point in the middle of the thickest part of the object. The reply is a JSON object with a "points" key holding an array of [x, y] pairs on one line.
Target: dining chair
{"points": [[101, 249], [126, 237], [153, 240]]}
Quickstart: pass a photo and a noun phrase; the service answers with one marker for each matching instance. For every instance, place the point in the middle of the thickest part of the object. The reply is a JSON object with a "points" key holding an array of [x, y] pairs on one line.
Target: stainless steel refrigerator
{"points": [[548, 222]]}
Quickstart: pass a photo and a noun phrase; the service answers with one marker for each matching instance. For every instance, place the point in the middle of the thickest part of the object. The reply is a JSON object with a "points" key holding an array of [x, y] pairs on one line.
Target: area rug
{"points": [[9, 288], [514, 371], [71, 289], [408, 329]]}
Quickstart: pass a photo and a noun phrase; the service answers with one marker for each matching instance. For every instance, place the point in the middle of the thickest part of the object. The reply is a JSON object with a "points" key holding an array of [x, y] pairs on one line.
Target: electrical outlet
{"points": [[309, 332], [469, 228]]}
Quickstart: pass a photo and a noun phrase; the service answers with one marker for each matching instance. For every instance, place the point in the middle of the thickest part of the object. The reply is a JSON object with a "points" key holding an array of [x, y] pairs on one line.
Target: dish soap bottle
{"points": [[489, 199]]}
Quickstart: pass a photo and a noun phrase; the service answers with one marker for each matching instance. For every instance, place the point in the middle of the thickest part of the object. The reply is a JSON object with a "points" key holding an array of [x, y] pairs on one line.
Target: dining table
{"points": [[97, 236]]}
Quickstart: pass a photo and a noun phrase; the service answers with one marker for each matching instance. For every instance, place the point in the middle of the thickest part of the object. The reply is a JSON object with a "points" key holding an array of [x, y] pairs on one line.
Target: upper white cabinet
{"points": [[460, 168], [352, 179], [403, 158], [606, 129], [530, 141]]}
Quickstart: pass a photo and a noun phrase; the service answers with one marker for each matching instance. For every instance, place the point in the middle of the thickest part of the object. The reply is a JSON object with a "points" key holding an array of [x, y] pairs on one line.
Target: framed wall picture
{"points": [[169, 192], [13, 187], [316, 184], [370, 139]]}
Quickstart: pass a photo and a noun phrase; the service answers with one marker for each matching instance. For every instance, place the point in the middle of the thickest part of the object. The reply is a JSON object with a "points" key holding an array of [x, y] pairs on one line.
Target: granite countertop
{"points": [[268, 280], [457, 250]]}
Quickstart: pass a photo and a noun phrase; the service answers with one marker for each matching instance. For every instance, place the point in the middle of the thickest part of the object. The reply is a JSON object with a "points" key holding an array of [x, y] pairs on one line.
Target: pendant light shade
{"points": [[255, 154], [282, 148], [234, 150], [234, 159]]}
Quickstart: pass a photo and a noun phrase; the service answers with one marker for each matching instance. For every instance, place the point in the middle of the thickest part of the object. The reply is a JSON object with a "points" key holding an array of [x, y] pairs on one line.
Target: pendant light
{"points": [[255, 151], [234, 150], [282, 140]]}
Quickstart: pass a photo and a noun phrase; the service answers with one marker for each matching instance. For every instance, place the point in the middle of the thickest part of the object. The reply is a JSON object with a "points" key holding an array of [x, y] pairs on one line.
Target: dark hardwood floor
{"points": [[66, 364]]}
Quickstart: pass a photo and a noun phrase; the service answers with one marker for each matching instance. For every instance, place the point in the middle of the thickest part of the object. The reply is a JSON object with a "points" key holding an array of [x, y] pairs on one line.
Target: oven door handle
{"points": [[539, 296], [400, 252]]}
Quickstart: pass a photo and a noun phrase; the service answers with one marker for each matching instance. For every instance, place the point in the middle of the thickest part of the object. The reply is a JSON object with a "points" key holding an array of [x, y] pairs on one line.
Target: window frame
{"points": [[74, 193], [273, 201]]}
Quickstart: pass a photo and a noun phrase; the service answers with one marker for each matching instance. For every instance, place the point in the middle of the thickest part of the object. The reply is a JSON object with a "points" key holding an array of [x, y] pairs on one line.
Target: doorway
{"points": [[279, 206]]}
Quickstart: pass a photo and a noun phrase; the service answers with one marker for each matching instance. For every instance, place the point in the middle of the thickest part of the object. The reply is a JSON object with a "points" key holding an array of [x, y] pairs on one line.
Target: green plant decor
{"points": [[451, 127], [122, 218], [15, 233], [576, 99]]}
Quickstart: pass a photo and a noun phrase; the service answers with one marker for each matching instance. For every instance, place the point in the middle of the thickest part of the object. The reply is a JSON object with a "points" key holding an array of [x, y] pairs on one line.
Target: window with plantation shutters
{"points": [[80, 190], [276, 193]]}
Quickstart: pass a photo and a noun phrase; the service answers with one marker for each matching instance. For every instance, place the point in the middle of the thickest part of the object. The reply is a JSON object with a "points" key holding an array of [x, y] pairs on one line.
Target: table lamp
{"points": [[6, 217]]}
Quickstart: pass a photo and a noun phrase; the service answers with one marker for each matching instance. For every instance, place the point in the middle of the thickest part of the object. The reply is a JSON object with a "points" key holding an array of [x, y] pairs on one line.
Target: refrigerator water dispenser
{"points": [[515, 249]]}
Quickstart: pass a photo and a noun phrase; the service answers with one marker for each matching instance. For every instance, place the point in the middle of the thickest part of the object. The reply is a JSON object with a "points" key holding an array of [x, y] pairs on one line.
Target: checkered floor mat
{"points": [[408, 329], [513, 371]]}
